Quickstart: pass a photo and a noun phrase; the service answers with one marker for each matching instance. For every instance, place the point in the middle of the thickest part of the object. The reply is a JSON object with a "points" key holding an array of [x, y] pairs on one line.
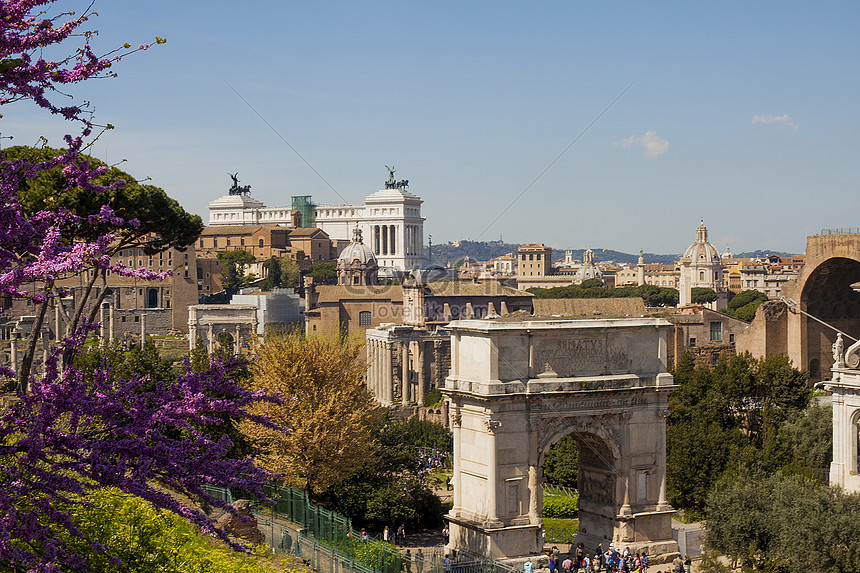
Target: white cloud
{"points": [[770, 118], [654, 145]]}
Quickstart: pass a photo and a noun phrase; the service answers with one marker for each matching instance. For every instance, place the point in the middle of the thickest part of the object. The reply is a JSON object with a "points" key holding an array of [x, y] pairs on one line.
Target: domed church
{"points": [[357, 264], [701, 267]]}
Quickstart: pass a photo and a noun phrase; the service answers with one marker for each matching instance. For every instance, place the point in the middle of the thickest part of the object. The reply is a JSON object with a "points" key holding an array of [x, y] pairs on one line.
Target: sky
{"points": [[616, 125]]}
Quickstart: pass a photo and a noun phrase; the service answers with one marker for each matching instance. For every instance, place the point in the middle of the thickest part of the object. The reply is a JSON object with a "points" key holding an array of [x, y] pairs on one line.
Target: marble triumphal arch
{"points": [[518, 386]]}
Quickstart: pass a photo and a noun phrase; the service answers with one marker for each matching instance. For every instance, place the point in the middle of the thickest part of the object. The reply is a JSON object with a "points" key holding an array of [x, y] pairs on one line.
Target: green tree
{"points": [[773, 522], [282, 272], [559, 465], [726, 416], [744, 304], [161, 222], [653, 295], [390, 487], [323, 272], [233, 275], [592, 283], [702, 295]]}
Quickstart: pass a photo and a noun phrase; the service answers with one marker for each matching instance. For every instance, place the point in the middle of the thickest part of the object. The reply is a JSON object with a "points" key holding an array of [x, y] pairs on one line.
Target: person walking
{"points": [[386, 534], [407, 561], [419, 561], [688, 564], [527, 566], [566, 565]]}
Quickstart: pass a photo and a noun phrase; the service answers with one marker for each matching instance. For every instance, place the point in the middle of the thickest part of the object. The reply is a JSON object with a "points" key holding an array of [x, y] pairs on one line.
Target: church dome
{"points": [[702, 252], [357, 251], [588, 270]]}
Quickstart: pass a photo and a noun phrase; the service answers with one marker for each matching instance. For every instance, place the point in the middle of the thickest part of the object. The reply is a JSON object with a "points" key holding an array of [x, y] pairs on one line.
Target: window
{"points": [[214, 242], [137, 319], [717, 331], [732, 338], [364, 318], [692, 342], [715, 357], [228, 241], [261, 242]]}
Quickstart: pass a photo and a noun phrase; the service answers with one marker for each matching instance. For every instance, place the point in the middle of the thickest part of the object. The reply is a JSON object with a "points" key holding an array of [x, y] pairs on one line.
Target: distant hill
{"points": [[762, 254], [486, 250]]}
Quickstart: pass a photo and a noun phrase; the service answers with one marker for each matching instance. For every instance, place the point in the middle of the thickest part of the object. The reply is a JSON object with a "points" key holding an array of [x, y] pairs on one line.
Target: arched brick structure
{"points": [[822, 289]]}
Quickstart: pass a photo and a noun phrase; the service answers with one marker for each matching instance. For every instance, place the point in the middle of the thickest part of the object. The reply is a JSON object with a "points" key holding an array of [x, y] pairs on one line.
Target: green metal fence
{"points": [[327, 542]]}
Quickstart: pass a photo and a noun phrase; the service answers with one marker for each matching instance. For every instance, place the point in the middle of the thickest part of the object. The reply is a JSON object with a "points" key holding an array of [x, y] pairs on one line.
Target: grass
{"points": [[560, 530], [439, 478]]}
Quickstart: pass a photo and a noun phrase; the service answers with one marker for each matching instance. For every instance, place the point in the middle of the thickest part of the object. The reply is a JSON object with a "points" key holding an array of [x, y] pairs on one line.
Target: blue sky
{"points": [[741, 114]]}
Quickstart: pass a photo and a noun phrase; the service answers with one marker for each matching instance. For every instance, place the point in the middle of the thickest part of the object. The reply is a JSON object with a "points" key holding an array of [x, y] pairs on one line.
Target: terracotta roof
{"points": [[589, 307], [469, 288], [306, 231], [336, 293]]}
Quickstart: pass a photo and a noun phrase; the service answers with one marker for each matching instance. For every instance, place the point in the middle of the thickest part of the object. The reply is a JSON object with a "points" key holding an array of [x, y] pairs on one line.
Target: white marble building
{"points": [[391, 224], [390, 221]]}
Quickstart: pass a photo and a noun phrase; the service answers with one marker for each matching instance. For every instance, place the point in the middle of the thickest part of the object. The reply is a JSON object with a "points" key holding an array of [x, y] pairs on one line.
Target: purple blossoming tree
{"points": [[67, 433]]}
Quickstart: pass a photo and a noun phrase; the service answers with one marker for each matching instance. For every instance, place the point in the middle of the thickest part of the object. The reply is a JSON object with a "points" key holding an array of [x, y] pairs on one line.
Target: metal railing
{"points": [[844, 231], [328, 543]]}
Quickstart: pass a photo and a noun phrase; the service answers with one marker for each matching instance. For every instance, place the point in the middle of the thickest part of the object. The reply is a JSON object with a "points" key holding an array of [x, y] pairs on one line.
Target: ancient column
{"points": [[387, 374], [142, 329], [419, 373], [237, 344], [102, 328], [404, 373], [457, 430], [14, 351], [625, 465], [662, 503], [534, 510], [492, 474], [110, 318], [211, 339]]}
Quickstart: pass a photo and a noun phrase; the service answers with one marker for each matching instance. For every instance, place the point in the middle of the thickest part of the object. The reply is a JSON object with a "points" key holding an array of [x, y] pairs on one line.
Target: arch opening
{"points": [[595, 475], [828, 295]]}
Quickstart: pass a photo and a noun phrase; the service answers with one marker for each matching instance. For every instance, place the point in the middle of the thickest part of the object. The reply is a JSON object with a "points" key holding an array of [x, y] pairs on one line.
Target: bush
{"points": [[560, 507]]}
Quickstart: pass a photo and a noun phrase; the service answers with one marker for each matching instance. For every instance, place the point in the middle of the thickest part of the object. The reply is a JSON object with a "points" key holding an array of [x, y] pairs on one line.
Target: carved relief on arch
{"points": [[604, 426]]}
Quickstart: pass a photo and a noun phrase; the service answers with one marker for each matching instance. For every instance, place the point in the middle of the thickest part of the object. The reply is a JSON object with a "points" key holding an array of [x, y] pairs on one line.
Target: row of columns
{"points": [[380, 374], [384, 239], [413, 240]]}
